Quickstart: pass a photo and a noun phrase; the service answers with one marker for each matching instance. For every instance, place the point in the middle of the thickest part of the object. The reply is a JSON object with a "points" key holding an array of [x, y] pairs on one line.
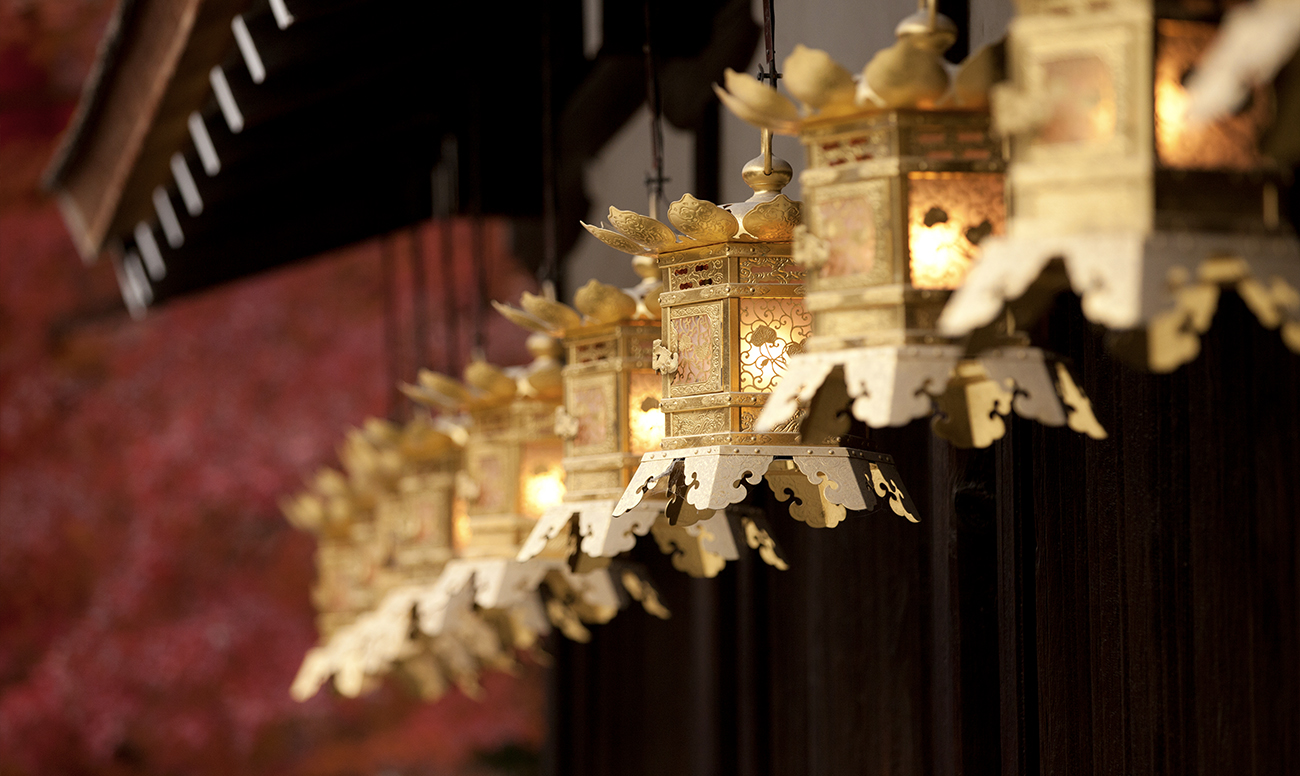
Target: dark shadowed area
{"points": [[153, 601]]}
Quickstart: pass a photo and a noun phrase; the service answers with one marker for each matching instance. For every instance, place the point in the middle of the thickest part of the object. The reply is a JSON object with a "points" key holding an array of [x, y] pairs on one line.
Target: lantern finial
{"points": [[766, 183]]}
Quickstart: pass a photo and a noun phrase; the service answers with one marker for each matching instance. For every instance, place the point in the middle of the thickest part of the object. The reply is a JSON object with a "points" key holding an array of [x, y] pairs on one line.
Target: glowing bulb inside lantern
{"points": [[543, 489], [647, 430], [645, 419], [461, 533], [1171, 116]]}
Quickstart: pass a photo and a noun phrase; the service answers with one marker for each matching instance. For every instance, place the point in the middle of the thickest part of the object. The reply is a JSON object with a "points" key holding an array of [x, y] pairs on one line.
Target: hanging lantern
{"points": [[384, 523], [456, 602], [512, 456], [732, 319], [611, 416], [513, 477], [1150, 212], [903, 186]]}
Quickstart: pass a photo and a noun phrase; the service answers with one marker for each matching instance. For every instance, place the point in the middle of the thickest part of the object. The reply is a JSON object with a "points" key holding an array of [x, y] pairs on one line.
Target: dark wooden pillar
{"points": [[1164, 633]]}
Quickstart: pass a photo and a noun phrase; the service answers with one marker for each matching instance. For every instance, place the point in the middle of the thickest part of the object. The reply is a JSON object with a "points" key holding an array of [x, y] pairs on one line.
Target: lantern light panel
{"points": [[1150, 213]]}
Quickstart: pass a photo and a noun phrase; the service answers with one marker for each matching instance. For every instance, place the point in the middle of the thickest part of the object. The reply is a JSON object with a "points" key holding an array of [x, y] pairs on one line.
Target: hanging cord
{"points": [[771, 75], [419, 301], [392, 354], [450, 300], [481, 277], [477, 256], [548, 272], [654, 98], [445, 185]]}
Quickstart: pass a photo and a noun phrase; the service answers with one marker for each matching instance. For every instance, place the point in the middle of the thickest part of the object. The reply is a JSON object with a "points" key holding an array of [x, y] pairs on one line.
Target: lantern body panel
{"points": [[948, 215], [1114, 152], [697, 334], [512, 458], [897, 202], [606, 385], [646, 419], [346, 569], [733, 315]]}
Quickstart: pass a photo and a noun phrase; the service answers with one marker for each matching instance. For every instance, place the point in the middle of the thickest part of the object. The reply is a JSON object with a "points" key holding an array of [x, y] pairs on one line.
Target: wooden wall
{"points": [[1066, 606]]}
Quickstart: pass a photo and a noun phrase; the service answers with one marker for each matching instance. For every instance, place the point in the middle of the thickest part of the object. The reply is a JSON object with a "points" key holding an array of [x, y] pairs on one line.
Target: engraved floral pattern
{"points": [[771, 330], [699, 423], [702, 220], [585, 352], [696, 274], [770, 269], [774, 220], [694, 349]]}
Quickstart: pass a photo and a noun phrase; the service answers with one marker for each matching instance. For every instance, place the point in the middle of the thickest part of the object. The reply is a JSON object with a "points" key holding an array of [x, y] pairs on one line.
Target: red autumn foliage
{"points": [[153, 602]]}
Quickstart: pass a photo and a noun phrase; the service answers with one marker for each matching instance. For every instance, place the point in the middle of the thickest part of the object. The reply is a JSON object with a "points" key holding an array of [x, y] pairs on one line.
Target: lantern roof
{"points": [[595, 304], [911, 74], [767, 216], [375, 457], [487, 385]]}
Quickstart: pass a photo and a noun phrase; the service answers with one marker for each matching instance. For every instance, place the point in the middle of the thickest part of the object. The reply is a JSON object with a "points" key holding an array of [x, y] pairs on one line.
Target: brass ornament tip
{"points": [[760, 181], [645, 267], [540, 345], [938, 38]]}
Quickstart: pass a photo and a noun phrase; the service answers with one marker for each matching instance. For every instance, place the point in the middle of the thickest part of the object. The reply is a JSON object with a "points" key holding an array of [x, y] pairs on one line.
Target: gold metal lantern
{"points": [[611, 416], [904, 184], [514, 477], [512, 456], [383, 520], [383, 523], [733, 317], [1150, 212], [455, 602]]}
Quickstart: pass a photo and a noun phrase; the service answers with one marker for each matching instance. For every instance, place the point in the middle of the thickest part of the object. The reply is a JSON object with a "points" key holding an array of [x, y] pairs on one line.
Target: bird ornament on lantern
{"points": [[903, 186], [732, 318], [1136, 165], [610, 417]]}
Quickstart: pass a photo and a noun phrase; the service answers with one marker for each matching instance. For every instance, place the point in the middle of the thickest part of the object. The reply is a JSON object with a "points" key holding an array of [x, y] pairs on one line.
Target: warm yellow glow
{"points": [[771, 330], [948, 215], [461, 533], [939, 258], [645, 419], [1229, 143], [543, 489], [647, 429], [1171, 115]]}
